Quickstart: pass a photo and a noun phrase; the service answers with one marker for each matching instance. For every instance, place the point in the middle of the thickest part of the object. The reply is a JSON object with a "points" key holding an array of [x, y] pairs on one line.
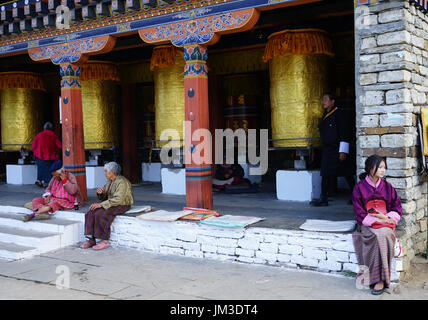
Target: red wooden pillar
{"points": [[129, 132], [198, 176], [72, 124]]}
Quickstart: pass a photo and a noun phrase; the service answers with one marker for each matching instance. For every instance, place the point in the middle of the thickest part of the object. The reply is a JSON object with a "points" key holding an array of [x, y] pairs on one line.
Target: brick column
{"points": [[392, 86]]}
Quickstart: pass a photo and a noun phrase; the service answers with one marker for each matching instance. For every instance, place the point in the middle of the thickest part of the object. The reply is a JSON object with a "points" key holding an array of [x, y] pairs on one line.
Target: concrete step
{"points": [[25, 239], [20, 240], [44, 241], [11, 251], [70, 230], [14, 220]]}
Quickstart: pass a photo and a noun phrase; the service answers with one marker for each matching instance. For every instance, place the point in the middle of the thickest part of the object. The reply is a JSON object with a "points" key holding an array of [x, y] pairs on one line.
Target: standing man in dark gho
{"points": [[335, 137]]}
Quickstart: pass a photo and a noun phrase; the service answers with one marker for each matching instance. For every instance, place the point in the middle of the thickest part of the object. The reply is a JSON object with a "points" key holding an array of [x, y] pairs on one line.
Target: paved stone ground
{"points": [[128, 274]]}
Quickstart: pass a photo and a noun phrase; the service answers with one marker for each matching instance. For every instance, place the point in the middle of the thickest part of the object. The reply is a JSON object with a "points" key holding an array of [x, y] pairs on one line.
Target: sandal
{"points": [[102, 245], [28, 217], [88, 244], [377, 292]]}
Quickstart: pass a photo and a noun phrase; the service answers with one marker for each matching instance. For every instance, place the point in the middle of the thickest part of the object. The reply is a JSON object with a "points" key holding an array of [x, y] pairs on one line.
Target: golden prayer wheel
{"points": [[241, 110], [298, 79], [21, 101], [168, 66], [100, 93]]}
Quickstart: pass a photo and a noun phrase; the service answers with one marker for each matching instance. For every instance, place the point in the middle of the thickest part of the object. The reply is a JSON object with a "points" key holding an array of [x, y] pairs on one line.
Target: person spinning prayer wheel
{"points": [[45, 149]]}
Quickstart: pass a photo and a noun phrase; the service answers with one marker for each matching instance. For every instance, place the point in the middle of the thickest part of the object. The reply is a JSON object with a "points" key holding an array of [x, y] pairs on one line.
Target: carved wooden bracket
{"points": [[75, 52], [204, 30]]}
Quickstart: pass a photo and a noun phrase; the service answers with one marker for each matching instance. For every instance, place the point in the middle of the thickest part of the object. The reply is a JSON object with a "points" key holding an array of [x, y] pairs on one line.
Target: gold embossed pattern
{"points": [[100, 121], [21, 111], [297, 86], [169, 99]]}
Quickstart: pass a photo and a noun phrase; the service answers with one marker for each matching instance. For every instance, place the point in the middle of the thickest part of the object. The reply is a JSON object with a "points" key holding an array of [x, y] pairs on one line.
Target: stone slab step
{"points": [[14, 220], [43, 241], [11, 251]]}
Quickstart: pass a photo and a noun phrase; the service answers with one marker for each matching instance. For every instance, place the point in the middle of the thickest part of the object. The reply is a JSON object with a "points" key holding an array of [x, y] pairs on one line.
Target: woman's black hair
{"points": [[373, 161]]}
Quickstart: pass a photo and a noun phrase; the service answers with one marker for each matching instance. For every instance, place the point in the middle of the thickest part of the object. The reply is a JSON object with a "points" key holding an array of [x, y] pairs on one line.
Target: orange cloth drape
{"points": [[163, 56], [99, 70], [303, 41], [24, 80]]}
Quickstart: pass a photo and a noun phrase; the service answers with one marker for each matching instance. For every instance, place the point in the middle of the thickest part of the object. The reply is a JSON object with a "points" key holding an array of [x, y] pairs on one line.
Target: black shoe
{"points": [[377, 292], [319, 203]]}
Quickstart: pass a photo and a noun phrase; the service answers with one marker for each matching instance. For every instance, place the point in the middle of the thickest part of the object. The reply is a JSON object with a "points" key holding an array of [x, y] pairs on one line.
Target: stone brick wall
{"points": [[392, 86], [326, 252], [318, 251]]}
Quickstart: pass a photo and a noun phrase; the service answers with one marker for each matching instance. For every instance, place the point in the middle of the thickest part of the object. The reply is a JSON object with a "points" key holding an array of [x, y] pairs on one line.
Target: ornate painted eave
{"points": [[202, 30], [133, 22], [74, 51]]}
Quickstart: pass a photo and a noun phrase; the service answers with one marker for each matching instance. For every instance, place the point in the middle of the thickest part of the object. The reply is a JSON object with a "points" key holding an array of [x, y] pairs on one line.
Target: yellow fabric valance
{"points": [[99, 70], [164, 56], [303, 41], [24, 80]]}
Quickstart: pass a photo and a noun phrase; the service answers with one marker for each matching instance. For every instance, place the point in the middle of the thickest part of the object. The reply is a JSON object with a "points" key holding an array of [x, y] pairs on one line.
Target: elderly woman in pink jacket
{"points": [[62, 193]]}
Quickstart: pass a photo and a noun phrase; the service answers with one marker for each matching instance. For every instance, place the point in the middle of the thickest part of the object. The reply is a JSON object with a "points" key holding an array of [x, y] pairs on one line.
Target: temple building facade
{"points": [[113, 76]]}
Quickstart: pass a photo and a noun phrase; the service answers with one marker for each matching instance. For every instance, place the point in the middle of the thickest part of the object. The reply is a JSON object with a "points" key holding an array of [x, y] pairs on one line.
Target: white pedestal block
{"points": [[95, 177], [295, 185], [252, 178], [21, 173], [173, 181], [151, 171]]}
